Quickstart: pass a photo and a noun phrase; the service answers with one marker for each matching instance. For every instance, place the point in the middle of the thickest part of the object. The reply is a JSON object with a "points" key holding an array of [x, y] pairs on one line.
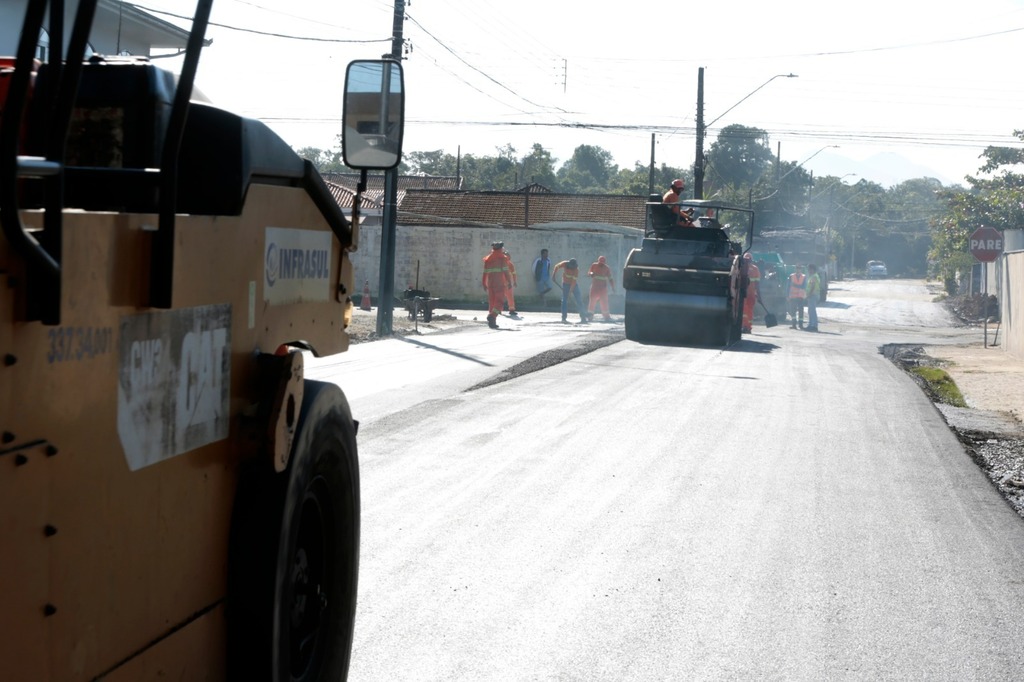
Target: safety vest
{"points": [[601, 274], [754, 275], [569, 275], [798, 285], [814, 285], [495, 270]]}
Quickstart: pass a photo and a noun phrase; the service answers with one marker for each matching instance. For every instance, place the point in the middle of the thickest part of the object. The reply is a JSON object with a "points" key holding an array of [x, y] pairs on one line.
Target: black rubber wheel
{"points": [[632, 324], [294, 555], [428, 314]]}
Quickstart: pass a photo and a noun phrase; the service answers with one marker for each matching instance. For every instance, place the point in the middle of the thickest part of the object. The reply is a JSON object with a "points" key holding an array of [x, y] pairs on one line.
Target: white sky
{"points": [[933, 81]]}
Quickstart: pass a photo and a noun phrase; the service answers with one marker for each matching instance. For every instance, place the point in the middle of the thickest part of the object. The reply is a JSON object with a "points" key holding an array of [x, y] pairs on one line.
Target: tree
{"points": [[996, 201], [910, 207], [436, 163], [589, 171], [323, 159], [780, 198], [636, 181], [538, 166], [737, 158]]}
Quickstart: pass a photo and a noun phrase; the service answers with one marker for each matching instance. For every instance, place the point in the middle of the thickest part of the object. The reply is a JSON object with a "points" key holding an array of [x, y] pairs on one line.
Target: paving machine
{"points": [[686, 285], [178, 501]]}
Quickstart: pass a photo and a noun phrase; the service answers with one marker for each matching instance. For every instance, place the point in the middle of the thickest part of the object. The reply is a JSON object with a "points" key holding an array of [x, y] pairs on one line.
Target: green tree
{"points": [[905, 240], [589, 171], [950, 232], [480, 173], [435, 162], [996, 201], [737, 158], [538, 166], [636, 181], [780, 197], [325, 160]]}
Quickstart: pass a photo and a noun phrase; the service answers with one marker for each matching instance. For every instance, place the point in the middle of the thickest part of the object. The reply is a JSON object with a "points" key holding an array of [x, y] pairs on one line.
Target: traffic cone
{"points": [[365, 303]]}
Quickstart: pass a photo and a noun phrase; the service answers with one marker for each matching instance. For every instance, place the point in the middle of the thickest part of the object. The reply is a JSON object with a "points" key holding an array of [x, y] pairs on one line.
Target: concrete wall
{"points": [[1011, 299], [450, 259]]}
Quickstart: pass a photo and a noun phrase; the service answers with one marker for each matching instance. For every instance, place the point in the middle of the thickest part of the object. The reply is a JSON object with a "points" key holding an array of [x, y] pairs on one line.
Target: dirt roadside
{"points": [[990, 427], [364, 324]]}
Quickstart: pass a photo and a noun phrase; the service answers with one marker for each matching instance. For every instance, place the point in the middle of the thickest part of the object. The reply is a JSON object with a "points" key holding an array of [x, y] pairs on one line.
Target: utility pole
{"points": [[650, 175], [389, 226], [698, 165]]}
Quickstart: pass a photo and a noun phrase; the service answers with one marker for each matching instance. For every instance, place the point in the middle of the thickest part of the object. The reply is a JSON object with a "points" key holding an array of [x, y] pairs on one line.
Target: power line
{"points": [[477, 70], [268, 33]]}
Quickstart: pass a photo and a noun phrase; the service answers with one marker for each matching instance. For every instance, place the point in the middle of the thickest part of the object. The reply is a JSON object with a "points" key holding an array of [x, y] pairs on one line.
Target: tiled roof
{"points": [[373, 199], [376, 181], [509, 209]]}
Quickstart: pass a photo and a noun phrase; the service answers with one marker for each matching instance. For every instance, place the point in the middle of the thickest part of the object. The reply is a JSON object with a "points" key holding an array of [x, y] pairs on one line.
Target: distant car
{"points": [[876, 268]]}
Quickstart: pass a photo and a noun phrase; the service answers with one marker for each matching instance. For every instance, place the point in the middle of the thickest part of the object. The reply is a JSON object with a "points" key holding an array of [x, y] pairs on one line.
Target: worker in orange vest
{"points": [[796, 293], [509, 295], [570, 270], [600, 279], [496, 281], [753, 293]]}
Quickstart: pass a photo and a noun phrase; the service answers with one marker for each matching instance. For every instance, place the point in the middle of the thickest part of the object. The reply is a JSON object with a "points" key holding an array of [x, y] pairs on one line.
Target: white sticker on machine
{"points": [[174, 382], [296, 266]]}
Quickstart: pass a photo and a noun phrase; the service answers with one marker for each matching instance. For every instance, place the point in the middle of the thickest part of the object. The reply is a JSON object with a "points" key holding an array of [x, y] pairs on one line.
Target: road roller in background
{"points": [[686, 285]]}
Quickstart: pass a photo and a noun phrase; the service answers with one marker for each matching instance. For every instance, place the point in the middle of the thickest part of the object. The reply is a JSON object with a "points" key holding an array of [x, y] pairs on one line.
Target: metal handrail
{"points": [[43, 255], [161, 283]]}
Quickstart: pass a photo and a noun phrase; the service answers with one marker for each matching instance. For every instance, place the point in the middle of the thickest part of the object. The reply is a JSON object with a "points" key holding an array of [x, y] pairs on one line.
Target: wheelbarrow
{"points": [[419, 304]]}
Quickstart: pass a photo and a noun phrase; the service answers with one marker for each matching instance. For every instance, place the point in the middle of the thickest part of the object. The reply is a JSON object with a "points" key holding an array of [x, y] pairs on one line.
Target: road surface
{"points": [[790, 508]]}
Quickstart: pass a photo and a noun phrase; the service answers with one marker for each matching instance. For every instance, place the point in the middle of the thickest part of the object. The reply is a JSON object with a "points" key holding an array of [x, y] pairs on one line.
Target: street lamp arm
{"points": [[779, 75], [799, 165], [778, 183], [831, 185]]}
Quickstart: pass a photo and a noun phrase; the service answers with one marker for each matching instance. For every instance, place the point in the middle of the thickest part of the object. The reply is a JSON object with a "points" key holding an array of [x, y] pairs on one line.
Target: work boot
{"points": [[492, 322], [565, 320]]}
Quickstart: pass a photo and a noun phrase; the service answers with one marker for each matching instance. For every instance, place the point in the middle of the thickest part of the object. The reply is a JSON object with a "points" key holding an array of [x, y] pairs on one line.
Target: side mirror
{"points": [[373, 119]]}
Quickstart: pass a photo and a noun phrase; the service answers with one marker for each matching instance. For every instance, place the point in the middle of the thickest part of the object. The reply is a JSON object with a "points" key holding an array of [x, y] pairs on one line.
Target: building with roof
{"points": [[443, 235], [118, 28]]}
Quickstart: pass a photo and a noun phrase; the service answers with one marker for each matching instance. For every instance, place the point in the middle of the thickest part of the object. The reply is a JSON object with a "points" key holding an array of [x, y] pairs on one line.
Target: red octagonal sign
{"points": [[986, 244]]}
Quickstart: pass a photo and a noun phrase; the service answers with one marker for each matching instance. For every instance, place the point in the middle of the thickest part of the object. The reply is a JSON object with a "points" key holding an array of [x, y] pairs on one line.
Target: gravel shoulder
{"points": [[990, 427]]}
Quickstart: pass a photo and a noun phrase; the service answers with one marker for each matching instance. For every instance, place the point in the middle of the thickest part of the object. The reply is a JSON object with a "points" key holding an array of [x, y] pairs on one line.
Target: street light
{"points": [[752, 92], [698, 167], [778, 182], [799, 165], [832, 186]]}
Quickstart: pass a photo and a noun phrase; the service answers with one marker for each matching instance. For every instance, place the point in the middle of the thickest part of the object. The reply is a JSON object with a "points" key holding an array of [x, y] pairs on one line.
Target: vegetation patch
{"points": [[939, 385]]}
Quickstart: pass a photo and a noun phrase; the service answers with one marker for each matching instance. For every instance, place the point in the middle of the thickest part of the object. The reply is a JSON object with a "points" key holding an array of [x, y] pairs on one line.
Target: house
{"points": [[118, 28]]}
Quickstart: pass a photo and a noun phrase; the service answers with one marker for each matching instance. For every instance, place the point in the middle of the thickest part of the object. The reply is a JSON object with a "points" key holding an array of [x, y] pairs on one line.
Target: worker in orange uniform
{"points": [[570, 270], [510, 296], [600, 279], [753, 293], [496, 281]]}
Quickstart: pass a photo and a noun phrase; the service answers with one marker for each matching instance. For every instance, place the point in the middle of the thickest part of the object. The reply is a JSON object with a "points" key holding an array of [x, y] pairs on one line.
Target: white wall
{"points": [[450, 259], [1011, 296]]}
